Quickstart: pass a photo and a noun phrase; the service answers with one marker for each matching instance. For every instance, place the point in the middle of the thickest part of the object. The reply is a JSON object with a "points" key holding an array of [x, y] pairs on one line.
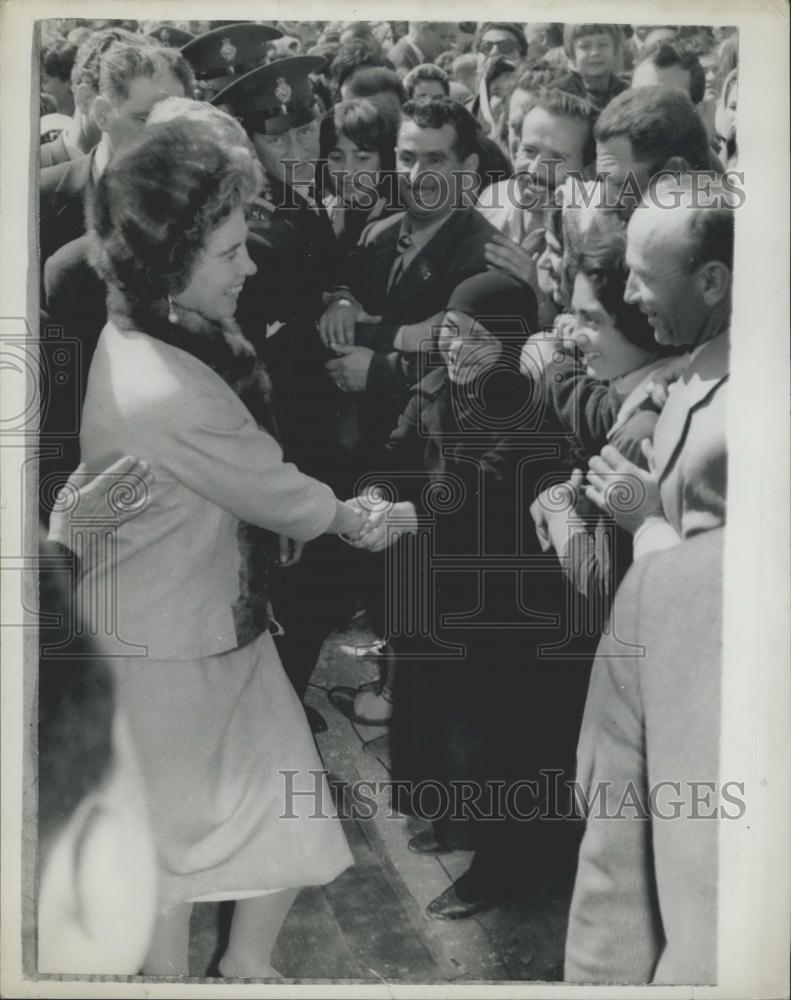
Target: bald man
{"points": [[680, 264], [644, 903]]}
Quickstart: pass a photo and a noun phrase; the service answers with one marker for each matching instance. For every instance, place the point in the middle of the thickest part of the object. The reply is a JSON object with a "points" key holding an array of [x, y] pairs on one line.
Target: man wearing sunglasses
{"points": [[501, 38]]}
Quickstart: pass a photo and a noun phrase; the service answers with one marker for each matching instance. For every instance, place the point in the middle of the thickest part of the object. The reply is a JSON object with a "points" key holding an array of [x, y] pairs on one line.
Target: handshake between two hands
{"points": [[382, 521]]}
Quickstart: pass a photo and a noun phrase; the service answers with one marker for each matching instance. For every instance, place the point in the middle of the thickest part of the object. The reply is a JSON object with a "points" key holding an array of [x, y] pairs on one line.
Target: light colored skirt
{"points": [[239, 802]]}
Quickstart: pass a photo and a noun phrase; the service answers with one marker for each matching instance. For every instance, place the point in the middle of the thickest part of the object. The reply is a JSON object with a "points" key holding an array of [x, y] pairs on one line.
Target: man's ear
{"points": [[84, 96], [715, 281], [472, 163], [103, 112], [678, 164]]}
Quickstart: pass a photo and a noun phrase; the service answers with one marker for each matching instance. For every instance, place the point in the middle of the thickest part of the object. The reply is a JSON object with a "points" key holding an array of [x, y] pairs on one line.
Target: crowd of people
{"points": [[424, 320]]}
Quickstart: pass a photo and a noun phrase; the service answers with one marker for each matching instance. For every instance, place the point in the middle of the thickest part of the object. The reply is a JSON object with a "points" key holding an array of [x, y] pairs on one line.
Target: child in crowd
{"points": [[595, 51]]}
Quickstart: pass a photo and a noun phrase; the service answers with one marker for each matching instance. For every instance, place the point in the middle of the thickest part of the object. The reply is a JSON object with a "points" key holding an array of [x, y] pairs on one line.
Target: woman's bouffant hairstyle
{"points": [[157, 204], [601, 257], [369, 127], [226, 129]]}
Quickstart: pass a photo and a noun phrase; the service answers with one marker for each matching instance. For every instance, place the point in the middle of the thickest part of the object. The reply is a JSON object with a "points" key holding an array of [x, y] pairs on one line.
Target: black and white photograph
{"points": [[395, 499]]}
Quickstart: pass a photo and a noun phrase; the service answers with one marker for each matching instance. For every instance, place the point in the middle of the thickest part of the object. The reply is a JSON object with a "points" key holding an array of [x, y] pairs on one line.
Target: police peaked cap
{"points": [[276, 97], [229, 50]]}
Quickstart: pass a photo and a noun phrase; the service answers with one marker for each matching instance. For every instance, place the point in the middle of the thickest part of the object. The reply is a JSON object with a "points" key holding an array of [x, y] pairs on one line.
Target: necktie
{"points": [[404, 244]]}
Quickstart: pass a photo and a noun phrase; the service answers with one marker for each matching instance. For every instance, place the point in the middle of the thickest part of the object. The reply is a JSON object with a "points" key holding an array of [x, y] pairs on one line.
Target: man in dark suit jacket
{"points": [[405, 268], [62, 197], [132, 80]]}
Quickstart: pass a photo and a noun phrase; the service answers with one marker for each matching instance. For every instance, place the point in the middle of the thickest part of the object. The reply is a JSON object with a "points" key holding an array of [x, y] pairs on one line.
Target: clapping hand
{"points": [[539, 351], [622, 489], [518, 260]]}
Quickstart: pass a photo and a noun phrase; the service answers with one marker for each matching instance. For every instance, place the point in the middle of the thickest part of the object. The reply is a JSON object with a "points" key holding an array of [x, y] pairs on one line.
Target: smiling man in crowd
{"points": [[645, 898], [556, 139], [405, 267]]}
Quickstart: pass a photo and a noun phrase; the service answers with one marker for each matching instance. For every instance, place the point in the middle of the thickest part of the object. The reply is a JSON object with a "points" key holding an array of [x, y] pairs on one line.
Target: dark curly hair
{"points": [[434, 112], [158, 202], [601, 257]]}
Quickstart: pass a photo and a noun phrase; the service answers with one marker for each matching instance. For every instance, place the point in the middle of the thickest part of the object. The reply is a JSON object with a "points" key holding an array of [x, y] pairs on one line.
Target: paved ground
{"points": [[370, 925]]}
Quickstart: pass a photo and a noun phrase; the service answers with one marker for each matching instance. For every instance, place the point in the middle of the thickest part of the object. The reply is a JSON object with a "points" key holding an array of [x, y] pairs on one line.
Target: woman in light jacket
{"points": [[181, 601]]}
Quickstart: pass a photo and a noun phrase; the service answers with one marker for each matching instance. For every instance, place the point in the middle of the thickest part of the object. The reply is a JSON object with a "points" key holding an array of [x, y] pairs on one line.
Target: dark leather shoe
{"points": [[426, 842], [449, 905], [315, 720]]}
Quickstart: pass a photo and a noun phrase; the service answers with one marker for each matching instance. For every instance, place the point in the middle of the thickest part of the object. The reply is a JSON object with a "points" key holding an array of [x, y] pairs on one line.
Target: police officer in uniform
{"points": [[278, 110], [220, 56]]}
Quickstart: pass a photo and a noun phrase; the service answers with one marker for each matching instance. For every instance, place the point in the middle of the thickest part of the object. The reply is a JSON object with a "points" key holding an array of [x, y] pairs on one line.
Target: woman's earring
{"points": [[172, 314]]}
